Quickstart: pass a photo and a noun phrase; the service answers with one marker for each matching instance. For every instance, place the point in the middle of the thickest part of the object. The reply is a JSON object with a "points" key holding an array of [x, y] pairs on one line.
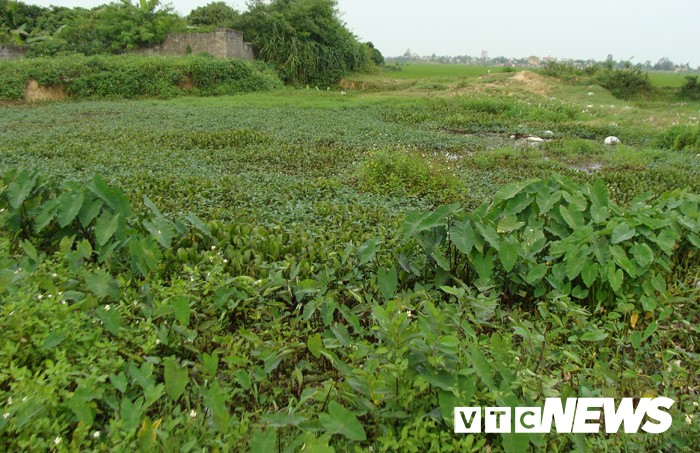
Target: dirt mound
{"points": [[34, 92], [530, 81]]}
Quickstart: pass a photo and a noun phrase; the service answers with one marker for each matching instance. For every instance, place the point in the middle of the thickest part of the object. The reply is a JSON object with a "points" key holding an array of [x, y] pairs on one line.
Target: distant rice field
{"points": [[437, 70], [668, 79]]}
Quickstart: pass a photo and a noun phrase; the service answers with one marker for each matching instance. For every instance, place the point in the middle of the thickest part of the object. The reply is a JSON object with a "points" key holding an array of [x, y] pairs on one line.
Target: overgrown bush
{"points": [[690, 89], [136, 76], [409, 174], [305, 40], [679, 138], [626, 82]]}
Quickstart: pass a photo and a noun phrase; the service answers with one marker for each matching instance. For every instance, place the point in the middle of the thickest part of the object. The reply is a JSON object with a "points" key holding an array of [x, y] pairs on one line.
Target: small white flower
{"points": [[695, 403], [157, 341], [96, 434], [689, 419], [54, 275], [39, 296], [225, 261], [6, 415], [9, 400], [57, 440], [213, 247], [193, 413], [107, 307]]}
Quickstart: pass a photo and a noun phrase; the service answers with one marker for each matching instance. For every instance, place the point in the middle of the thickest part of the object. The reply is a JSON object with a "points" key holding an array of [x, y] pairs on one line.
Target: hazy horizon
{"points": [[641, 30]]}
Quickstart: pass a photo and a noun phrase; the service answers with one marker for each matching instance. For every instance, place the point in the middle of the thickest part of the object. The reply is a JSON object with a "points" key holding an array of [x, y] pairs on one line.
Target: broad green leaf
{"points": [[89, 210], [368, 250], [53, 339], [101, 284], [110, 318], [575, 262], [341, 421], [161, 230], [546, 200], [440, 259], [488, 232], [176, 378], [130, 413], [314, 343], [599, 214], [46, 214], [105, 227], [216, 400], [150, 205], [599, 194], [536, 274], [594, 335], [667, 240], [115, 198], [620, 257], [589, 273], [615, 278], [508, 254], [388, 281], [508, 224], [282, 419], [147, 434], [181, 309], [69, 207], [198, 223], [483, 367], [119, 381], [622, 233], [483, 264], [19, 189], [264, 441], [462, 236], [515, 442], [643, 254], [511, 190], [571, 216]]}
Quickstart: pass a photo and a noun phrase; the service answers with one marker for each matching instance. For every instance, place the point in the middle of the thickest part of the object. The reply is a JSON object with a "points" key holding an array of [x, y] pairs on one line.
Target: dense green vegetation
{"points": [[135, 76], [305, 40], [280, 269]]}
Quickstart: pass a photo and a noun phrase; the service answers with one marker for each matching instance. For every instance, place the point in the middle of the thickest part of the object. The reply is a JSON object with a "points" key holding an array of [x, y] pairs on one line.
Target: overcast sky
{"points": [[637, 29]]}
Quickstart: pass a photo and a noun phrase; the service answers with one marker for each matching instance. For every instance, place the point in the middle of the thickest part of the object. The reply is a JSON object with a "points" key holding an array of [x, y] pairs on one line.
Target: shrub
{"points": [[136, 76], [679, 138], [626, 82], [690, 89], [407, 173]]}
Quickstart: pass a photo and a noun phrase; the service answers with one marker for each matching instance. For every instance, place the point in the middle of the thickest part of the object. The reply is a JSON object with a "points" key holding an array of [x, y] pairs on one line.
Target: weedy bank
{"points": [[327, 270]]}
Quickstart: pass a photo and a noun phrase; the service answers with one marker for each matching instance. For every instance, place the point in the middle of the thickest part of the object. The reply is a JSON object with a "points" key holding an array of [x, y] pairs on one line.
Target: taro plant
{"points": [[551, 238]]}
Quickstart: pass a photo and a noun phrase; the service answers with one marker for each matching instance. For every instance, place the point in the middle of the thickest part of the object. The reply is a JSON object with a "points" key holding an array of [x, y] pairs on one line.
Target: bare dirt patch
{"points": [[34, 92], [187, 83], [529, 81]]}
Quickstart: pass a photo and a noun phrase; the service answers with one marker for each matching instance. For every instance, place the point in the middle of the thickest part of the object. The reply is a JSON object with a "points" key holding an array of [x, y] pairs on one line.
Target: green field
{"points": [[436, 70], [668, 79], [307, 269]]}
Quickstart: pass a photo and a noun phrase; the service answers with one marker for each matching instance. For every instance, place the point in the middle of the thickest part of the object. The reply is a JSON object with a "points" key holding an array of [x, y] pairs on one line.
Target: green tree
{"points": [[304, 39], [213, 15]]}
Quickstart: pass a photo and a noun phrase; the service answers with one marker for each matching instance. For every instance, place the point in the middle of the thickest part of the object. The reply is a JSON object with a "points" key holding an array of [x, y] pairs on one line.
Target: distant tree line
{"points": [[304, 39]]}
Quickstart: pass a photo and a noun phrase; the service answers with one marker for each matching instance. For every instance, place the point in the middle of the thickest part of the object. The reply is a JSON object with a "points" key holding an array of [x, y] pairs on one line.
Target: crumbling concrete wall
{"points": [[12, 52], [222, 43]]}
